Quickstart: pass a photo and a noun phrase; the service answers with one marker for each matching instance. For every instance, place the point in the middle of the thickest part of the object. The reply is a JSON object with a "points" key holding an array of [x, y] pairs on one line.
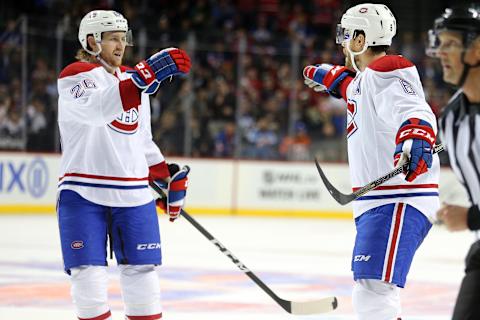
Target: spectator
{"points": [[296, 147], [12, 131], [225, 141], [263, 140], [37, 126], [263, 92]]}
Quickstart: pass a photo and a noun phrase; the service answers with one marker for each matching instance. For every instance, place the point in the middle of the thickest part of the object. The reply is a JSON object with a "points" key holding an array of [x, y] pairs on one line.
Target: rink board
{"points": [[28, 184]]}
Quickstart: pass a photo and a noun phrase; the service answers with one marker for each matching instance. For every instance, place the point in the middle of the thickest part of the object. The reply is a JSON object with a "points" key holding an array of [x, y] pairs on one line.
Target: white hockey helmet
{"points": [[97, 21], [375, 20]]}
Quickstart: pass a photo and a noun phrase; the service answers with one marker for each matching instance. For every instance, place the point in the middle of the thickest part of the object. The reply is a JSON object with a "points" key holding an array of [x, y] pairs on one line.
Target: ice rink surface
{"points": [[299, 259]]}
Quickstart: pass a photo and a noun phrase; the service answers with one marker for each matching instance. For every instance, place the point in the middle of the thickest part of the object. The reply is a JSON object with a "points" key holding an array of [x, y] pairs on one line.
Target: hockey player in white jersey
{"points": [[388, 122], [108, 158]]}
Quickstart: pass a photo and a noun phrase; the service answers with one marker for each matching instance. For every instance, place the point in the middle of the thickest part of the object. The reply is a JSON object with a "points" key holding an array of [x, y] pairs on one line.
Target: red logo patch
{"points": [[77, 244], [126, 123], [363, 10]]}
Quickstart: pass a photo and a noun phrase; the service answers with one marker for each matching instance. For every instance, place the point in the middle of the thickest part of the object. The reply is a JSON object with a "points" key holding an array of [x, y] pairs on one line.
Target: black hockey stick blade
{"points": [[343, 198], [298, 308]]}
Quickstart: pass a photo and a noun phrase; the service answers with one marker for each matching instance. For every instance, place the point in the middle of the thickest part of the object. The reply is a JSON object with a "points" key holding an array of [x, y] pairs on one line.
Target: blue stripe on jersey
{"points": [[107, 186], [111, 127], [405, 195]]}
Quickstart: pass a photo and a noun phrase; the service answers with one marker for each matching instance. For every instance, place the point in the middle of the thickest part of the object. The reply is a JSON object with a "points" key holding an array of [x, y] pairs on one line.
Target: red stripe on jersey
{"points": [[124, 126], [402, 186], [129, 94], [152, 317], [390, 63], [93, 176], [104, 316], [76, 68], [393, 242]]}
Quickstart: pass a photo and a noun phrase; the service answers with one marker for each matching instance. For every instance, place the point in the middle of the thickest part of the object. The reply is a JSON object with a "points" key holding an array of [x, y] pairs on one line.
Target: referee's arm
{"points": [[473, 218]]}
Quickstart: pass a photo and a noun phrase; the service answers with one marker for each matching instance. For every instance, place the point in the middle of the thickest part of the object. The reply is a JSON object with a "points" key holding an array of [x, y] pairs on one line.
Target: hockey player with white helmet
{"points": [[388, 123], [108, 159]]}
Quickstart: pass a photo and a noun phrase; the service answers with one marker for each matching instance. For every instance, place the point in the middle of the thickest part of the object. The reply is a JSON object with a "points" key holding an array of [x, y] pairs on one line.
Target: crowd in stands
{"points": [[251, 105]]}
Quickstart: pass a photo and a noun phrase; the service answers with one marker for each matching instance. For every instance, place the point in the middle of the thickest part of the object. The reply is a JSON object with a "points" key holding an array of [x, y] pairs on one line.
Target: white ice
{"points": [[299, 259]]}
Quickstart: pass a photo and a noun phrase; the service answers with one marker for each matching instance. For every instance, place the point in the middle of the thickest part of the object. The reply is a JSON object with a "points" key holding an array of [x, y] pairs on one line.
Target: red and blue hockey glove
{"points": [[174, 185], [148, 89], [326, 77], [414, 140], [160, 66]]}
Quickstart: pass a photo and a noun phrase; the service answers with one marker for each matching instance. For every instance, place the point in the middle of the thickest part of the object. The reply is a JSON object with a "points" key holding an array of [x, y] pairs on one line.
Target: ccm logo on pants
{"points": [[148, 246], [362, 258]]}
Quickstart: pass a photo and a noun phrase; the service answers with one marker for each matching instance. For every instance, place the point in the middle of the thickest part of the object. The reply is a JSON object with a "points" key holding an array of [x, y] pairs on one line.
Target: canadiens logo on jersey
{"points": [[126, 123]]}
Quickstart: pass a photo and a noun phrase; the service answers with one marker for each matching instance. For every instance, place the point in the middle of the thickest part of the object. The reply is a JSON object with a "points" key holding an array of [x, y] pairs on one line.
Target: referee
{"points": [[455, 41]]}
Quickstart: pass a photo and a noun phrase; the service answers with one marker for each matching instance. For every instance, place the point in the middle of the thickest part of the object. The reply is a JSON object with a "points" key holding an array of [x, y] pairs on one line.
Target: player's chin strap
{"points": [[353, 54], [104, 63], [466, 70]]}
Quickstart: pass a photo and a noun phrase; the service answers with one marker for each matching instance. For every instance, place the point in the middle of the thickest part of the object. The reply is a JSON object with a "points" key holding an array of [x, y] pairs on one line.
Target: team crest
{"points": [[126, 123], [77, 244]]}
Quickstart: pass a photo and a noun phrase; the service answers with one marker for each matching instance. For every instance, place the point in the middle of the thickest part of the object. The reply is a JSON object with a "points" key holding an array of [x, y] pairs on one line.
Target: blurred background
{"points": [[245, 97]]}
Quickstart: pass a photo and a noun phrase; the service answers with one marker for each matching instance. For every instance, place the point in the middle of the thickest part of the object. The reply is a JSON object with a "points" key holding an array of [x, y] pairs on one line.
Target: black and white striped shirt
{"points": [[460, 132]]}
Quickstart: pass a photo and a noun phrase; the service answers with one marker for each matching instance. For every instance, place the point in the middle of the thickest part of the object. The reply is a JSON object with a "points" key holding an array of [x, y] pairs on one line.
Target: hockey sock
{"points": [[141, 292], [152, 317], [105, 316], [375, 300], [89, 292]]}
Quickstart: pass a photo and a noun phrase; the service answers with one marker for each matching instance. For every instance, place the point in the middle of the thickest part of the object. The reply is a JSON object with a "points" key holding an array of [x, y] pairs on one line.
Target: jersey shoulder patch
{"points": [[390, 63], [76, 68]]}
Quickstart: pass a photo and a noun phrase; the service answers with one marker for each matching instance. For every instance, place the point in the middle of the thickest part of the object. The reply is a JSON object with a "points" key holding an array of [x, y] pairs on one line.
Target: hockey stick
{"points": [[343, 199], [297, 308]]}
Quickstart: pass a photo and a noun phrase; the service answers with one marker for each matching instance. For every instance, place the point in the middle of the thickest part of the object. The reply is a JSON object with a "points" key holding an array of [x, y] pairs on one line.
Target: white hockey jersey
{"points": [[106, 136], [379, 99]]}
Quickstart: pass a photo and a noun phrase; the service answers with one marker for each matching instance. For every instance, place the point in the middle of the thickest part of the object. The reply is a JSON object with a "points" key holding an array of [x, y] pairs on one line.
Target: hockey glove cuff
{"points": [[174, 183], [150, 88], [326, 77], [414, 140]]}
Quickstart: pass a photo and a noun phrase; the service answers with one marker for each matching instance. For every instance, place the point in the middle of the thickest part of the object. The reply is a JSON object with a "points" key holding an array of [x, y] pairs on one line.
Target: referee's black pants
{"points": [[467, 306]]}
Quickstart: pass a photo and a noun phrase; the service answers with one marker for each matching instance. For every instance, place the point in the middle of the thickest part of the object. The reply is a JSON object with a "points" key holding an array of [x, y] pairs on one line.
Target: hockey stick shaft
{"points": [[372, 185], [312, 307], [346, 198]]}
